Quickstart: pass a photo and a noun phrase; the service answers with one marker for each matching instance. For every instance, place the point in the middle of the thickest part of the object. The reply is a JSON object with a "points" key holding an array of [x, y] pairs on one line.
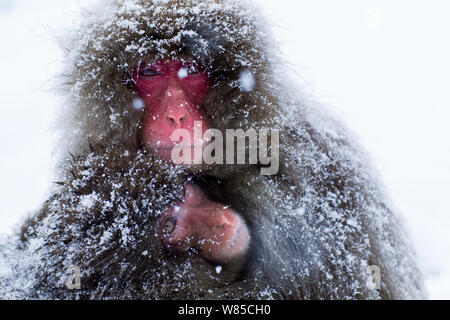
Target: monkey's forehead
{"points": [[223, 35]]}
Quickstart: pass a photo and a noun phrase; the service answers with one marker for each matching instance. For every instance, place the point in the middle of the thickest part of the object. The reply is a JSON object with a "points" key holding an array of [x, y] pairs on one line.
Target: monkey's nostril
{"points": [[169, 225]]}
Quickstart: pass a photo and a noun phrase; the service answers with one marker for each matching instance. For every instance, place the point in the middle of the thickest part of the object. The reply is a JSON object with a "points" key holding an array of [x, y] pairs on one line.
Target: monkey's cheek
{"points": [[233, 245], [178, 240], [175, 245], [240, 243]]}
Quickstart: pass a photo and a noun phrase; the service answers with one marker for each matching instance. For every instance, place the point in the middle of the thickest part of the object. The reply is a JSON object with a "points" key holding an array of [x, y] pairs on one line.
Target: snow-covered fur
{"points": [[316, 226], [103, 220], [118, 35]]}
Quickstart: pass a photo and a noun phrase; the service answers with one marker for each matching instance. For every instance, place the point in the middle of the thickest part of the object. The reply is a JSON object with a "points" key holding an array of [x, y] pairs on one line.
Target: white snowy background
{"points": [[383, 65]]}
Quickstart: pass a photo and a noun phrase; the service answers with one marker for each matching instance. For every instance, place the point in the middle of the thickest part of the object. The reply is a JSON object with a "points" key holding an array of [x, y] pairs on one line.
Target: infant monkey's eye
{"points": [[149, 72], [169, 225]]}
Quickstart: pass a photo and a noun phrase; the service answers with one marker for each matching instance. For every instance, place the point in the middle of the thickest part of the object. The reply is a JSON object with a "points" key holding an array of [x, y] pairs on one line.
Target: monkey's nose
{"points": [[169, 225], [176, 114]]}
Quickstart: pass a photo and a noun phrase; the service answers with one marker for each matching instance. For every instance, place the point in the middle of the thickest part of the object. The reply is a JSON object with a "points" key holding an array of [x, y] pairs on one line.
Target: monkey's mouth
{"points": [[177, 147], [184, 154]]}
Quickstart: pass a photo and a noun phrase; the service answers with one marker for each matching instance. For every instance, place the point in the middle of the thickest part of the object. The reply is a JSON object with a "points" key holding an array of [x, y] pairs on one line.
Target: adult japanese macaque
{"points": [[135, 223]]}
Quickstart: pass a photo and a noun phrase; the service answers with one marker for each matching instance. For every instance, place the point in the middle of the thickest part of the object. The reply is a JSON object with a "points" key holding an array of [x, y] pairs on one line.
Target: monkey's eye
{"points": [[149, 72], [169, 225]]}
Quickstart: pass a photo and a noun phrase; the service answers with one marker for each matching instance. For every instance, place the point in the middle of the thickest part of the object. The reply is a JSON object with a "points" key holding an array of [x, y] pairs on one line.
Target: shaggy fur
{"points": [[104, 220], [316, 226]]}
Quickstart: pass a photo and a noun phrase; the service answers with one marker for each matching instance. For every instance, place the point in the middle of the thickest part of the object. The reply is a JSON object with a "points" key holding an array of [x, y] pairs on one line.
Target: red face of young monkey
{"points": [[217, 231], [173, 94]]}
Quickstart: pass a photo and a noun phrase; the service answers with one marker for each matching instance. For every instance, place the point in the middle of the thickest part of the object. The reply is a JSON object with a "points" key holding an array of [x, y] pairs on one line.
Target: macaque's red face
{"points": [[173, 93]]}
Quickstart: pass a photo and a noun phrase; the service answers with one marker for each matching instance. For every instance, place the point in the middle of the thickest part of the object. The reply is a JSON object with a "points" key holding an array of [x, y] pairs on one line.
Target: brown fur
{"points": [[131, 263], [316, 225]]}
